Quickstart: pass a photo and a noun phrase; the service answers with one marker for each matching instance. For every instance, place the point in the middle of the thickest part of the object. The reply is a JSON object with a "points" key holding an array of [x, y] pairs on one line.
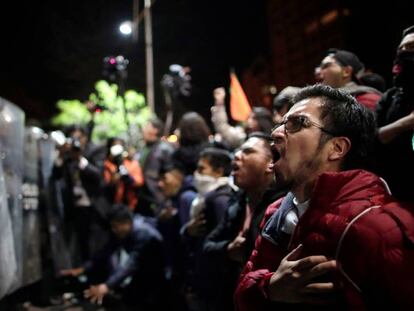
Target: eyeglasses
{"points": [[294, 124]]}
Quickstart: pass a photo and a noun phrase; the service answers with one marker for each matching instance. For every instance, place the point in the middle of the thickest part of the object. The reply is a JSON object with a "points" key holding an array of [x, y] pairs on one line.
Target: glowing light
{"points": [[126, 28], [172, 138]]}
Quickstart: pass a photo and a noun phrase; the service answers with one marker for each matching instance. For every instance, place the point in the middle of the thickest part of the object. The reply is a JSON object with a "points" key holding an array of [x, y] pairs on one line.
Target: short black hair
{"points": [[218, 159], [70, 129], [193, 129], [173, 165], [158, 124], [265, 137], [347, 58], [342, 115], [374, 80], [264, 119], [120, 213], [285, 98]]}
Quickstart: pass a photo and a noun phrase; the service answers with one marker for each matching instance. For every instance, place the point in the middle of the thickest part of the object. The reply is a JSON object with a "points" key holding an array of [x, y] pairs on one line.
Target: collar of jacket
{"points": [[341, 187]]}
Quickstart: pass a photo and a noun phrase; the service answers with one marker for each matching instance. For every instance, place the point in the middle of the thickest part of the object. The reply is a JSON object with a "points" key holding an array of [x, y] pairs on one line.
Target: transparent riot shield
{"points": [[8, 267], [52, 192], [32, 268], [11, 146]]}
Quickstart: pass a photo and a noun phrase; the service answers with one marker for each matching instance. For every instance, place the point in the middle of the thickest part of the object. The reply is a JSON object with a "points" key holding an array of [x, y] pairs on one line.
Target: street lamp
{"points": [[128, 28]]}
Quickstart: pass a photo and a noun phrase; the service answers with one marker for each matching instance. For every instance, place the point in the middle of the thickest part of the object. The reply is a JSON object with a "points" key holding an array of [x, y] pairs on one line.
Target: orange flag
{"points": [[239, 105]]}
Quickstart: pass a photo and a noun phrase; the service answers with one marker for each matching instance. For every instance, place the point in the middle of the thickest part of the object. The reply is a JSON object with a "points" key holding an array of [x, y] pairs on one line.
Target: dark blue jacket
{"points": [[200, 270], [145, 262]]}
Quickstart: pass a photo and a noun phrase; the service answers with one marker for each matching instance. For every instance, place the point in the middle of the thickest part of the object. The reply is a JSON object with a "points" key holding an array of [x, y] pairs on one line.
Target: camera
{"points": [[177, 81], [123, 172], [114, 66], [74, 143]]}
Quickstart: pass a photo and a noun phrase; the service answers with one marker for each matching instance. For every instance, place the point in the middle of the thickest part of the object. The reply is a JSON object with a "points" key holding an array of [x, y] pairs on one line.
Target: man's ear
{"points": [[340, 146], [347, 72]]}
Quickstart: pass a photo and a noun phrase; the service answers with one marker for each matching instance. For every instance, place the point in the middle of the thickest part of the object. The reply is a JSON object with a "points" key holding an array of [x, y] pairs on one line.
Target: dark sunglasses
{"points": [[294, 124]]}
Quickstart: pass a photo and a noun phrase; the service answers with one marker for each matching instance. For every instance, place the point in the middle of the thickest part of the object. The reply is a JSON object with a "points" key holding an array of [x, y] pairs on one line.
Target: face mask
{"points": [[116, 150], [403, 69], [204, 183]]}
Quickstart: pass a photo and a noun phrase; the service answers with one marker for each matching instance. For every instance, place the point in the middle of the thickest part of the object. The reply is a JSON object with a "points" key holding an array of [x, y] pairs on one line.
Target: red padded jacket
{"points": [[377, 253]]}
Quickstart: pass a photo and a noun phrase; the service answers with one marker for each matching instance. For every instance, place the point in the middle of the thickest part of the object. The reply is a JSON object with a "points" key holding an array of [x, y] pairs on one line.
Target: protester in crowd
{"points": [[77, 191], [259, 120], [214, 191], [130, 265], [154, 154], [80, 136], [373, 80], [233, 136], [193, 136], [179, 191], [122, 175], [342, 69], [232, 241], [338, 238], [395, 120]]}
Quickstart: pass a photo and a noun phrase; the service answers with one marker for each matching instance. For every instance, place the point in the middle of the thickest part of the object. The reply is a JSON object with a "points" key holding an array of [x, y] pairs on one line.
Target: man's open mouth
{"points": [[275, 154]]}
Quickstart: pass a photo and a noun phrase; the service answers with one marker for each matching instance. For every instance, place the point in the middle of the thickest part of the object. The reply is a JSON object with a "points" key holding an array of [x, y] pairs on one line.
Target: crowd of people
{"points": [[302, 207]]}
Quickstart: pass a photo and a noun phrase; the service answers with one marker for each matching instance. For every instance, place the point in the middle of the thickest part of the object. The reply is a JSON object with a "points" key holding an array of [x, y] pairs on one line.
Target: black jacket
{"points": [[396, 159], [229, 227]]}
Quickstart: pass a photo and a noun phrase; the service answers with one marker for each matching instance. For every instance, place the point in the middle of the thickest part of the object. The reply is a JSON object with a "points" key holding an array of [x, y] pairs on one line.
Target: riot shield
{"points": [[11, 146], [31, 216], [47, 147], [8, 266], [52, 192]]}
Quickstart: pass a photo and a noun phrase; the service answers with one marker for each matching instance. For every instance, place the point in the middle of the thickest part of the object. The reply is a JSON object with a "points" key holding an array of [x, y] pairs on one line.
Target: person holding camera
{"points": [[122, 175], [77, 184]]}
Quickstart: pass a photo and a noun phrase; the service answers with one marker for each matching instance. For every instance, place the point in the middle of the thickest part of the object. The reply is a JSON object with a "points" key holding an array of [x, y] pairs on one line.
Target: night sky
{"points": [[54, 49]]}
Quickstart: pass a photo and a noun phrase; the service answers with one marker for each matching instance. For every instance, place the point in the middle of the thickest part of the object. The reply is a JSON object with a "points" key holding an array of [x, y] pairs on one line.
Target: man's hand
{"points": [[72, 272], [292, 281], [167, 213], [236, 249], [96, 293], [197, 226], [219, 95]]}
